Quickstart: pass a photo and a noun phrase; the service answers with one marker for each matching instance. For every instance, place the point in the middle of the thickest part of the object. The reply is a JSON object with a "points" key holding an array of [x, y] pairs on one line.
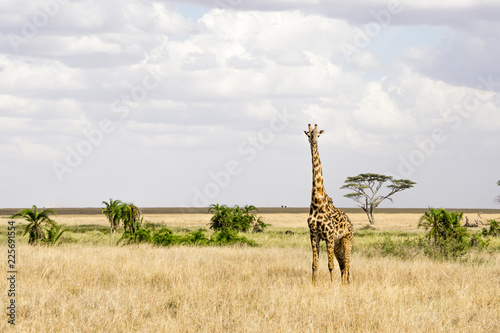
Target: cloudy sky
{"points": [[187, 103]]}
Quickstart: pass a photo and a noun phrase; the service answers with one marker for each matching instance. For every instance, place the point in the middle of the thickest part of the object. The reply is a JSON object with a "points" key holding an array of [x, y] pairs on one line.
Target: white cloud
{"points": [[223, 78], [378, 111], [33, 150], [244, 62], [35, 74], [90, 44], [195, 61], [365, 61]]}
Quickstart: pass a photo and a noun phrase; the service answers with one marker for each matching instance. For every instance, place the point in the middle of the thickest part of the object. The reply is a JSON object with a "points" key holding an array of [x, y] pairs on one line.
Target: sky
{"points": [[190, 103]]}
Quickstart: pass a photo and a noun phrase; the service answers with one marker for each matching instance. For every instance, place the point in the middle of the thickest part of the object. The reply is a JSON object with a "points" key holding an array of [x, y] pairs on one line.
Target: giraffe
{"points": [[326, 222]]}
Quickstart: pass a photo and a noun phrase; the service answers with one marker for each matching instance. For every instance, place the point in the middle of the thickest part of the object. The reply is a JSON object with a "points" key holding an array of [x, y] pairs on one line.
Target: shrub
{"points": [[141, 235], [443, 225], [447, 239], [229, 237], [195, 238], [222, 217], [237, 218], [260, 225], [494, 229], [53, 234], [164, 237], [133, 224]]}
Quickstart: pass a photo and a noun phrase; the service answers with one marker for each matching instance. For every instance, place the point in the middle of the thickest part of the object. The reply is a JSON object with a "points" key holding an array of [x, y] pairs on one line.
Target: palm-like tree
{"points": [[245, 218], [222, 217], [236, 218], [249, 209], [36, 219], [130, 214], [112, 212], [53, 234]]}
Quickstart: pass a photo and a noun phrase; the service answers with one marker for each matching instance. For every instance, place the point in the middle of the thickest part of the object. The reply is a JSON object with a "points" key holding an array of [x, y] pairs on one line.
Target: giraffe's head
{"points": [[313, 134]]}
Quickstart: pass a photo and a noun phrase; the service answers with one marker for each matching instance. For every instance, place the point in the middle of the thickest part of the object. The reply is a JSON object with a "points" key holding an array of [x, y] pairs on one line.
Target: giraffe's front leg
{"points": [[330, 245], [315, 249]]}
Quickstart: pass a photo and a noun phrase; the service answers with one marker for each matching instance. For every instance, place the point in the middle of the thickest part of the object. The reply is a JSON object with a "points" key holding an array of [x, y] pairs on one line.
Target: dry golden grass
{"points": [[108, 288], [188, 289]]}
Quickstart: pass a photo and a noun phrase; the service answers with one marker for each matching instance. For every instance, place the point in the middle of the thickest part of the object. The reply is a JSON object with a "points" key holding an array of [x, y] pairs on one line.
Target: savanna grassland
{"points": [[88, 283]]}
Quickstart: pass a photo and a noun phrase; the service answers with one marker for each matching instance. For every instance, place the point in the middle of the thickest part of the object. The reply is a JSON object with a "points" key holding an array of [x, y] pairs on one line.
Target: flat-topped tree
{"points": [[366, 187]]}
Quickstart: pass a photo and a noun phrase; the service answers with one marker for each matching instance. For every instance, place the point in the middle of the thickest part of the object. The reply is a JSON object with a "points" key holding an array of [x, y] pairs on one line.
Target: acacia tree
{"points": [[366, 187]]}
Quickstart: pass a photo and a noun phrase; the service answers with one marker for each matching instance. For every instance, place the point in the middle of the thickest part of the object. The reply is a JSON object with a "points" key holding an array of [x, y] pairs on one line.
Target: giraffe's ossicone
{"points": [[327, 222]]}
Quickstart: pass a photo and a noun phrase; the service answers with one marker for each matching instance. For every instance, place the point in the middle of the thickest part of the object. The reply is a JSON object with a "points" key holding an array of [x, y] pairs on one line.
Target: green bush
{"points": [[237, 218], [443, 225], [53, 234], [494, 229], [141, 235], [447, 239], [134, 232], [418, 245], [164, 237], [195, 238], [230, 237]]}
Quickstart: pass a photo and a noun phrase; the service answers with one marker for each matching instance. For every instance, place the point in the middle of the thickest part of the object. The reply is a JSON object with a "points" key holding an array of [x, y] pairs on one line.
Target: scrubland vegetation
{"points": [[401, 281]]}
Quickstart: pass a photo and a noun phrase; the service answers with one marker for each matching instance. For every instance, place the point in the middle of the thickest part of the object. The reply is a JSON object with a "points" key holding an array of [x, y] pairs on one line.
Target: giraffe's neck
{"points": [[318, 195]]}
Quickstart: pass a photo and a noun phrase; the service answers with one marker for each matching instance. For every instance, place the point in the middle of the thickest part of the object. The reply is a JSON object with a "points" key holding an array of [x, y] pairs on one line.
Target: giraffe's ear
{"points": [[306, 133], [321, 132]]}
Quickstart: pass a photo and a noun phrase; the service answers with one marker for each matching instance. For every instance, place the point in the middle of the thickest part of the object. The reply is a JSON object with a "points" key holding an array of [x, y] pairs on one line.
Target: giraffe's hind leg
{"points": [[339, 254], [343, 254]]}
